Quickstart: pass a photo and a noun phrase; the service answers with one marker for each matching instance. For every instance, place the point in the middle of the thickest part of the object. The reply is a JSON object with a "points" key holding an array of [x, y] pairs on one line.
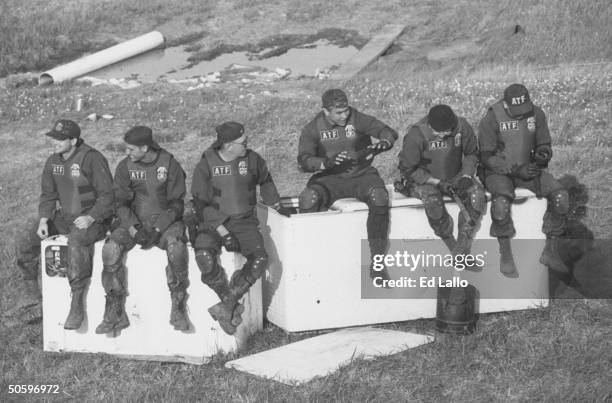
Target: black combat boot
{"points": [[178, 316], [228, 312], [115, 317], [77, 313]]}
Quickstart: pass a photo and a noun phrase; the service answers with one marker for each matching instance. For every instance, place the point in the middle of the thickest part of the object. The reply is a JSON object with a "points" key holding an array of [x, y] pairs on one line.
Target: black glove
{"points": [[526, 171], [142, 235], [152, 239], [403, 186], [336, 160], [284, 211], [191, 222], [445, 187], [462, 186], [231, 242], [382, 145], [542, 155]]}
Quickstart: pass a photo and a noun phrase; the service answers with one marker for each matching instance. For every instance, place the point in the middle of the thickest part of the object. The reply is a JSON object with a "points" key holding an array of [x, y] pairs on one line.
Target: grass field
{"points": [[560, 353]]}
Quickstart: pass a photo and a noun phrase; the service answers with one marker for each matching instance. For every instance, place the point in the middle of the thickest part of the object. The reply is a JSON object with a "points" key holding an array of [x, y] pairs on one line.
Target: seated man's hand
{"points": [[542, 155], [231, 242], [282, 210], [462, 186], [445, 187], [527, 171], [382, 145], [43, 229], [336, 160], [84, 221], [153, 238]]}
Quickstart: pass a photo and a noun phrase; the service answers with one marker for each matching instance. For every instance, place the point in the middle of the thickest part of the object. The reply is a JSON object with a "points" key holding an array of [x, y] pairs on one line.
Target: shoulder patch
{"points": [[162, 174], [75, 170]]}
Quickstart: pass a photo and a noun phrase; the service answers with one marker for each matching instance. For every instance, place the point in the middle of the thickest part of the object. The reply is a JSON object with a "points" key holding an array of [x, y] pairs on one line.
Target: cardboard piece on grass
{"points": [[301, 361]]}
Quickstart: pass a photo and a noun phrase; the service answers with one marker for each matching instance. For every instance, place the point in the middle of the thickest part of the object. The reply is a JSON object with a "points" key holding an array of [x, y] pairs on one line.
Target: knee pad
{"points": [[311, 199], [207, 262], [111, 255], [559, 202], [477, 199], [378, 200], [500, 208], [256, 265], [434, 206]]}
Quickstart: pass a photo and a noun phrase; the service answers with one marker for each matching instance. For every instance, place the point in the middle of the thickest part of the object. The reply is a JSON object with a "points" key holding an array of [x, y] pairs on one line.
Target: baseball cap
{"points": [[141, 136], [226, 132], [65, 129], [334, 98], [442, 118], [517, 98]]}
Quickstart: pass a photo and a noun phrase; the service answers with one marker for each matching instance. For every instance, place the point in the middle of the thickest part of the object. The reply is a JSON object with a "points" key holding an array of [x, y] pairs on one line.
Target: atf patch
{"points": [[507, 126], [350, 131], [437, 145], [328, 134], [162, 174], [57, 169], [531, 126], [221, 170], [138, 175], [243, 168], [75, 170]]}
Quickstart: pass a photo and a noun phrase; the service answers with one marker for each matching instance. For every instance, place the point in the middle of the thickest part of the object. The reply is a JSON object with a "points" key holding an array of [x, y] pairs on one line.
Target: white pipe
{"points": [[102, 58]]}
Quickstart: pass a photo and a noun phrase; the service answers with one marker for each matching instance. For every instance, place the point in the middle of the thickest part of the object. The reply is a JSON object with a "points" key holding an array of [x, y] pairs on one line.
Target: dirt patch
{"points": [[280, 44]]}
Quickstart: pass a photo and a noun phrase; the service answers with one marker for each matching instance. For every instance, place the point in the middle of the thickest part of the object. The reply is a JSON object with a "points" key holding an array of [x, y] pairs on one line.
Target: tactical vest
{"points": [[518, 136], [338, 138], [233, 183], [76, 194], [442, 157], [148, 182]]}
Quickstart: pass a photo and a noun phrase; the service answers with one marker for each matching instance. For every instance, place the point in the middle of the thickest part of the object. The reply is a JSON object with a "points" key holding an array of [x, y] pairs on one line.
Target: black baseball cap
{"points": [[226, 132], [517, 99], [65, 129], [442, 118], [141, 136]]}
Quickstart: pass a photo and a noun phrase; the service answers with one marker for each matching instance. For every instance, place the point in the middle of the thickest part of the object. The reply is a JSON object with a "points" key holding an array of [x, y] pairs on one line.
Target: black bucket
{"points": [[455, 311]]}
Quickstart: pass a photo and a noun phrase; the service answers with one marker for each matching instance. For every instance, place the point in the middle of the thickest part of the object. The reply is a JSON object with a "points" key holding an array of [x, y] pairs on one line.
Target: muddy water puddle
{"points": [[172, 63]]}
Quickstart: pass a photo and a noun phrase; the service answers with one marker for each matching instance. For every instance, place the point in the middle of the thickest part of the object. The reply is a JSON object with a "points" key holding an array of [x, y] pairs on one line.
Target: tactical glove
{"points": [[403, 186], [445, 187], [542, 155], [141, 235], [382, 145], [284, 211], [462, 186], [526, 171], [152, 239], [335, 160], [231, 242], [191, 222]]}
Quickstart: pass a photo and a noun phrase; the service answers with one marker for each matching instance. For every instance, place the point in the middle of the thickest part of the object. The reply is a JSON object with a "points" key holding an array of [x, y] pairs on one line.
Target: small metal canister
{"points": [[79, 103]]}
